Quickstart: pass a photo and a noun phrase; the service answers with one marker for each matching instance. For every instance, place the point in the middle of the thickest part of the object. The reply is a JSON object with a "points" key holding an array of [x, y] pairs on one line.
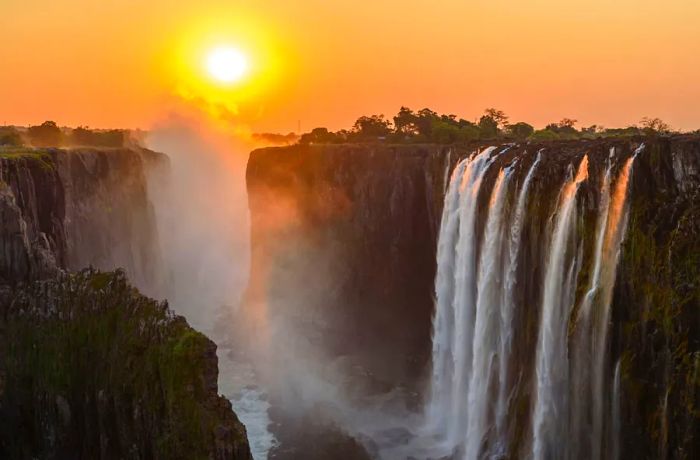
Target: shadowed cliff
{"points": [[344, 246], [89, 367]]}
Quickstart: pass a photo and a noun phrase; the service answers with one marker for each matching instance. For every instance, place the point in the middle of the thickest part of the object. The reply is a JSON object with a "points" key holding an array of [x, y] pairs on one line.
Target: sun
{"points": [[226, 64]]}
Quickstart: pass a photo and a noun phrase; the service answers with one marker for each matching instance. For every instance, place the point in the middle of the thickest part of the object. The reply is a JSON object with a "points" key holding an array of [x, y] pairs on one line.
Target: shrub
{"points": [[47, 134], [544, 135], [9, 136]]}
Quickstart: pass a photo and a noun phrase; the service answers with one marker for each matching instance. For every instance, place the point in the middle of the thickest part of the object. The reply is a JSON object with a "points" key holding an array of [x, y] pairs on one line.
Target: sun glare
{"points": [[226, 64]]}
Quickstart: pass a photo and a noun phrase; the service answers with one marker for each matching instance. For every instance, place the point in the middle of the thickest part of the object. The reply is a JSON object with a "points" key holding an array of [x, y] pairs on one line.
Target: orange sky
{"points": [[126, 63]]}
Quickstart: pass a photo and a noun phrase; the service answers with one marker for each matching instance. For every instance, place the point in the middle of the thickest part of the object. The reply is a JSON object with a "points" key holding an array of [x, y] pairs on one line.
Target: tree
{"points": [[564, 129], [592, 130], [319, 136], [520, 130], [94, 138], [10, 136], [48, 134], [488, 127], [405, 122], [622, 132], [544, 135], [374, 126], [424, 122], [444, 133], [469, 132], [654, 126], [567, 123], [499, 116]]}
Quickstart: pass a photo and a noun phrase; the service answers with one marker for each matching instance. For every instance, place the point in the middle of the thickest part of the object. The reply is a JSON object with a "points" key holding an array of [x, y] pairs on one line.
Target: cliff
{"points": [[109, 219], [32, 238], [92, 369], [344, 239], [346, 234], [89, 367], [77, 208], [656, 308]]}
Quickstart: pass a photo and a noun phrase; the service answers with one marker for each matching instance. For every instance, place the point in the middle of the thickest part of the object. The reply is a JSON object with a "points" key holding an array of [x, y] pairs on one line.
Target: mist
{"points": [[289, 384], [202, 214]]}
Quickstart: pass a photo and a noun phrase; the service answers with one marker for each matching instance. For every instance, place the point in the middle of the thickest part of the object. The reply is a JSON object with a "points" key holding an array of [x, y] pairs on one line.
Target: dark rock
{"points": [[95, 370], [344, 244], [90, 368]]}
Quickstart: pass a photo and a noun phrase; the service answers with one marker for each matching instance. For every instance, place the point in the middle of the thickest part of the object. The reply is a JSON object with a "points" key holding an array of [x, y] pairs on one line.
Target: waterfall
{"points": [[470, 330], [465, 292], [590, 336], [581, 396], [510, 270], [486, 326], [551, 355], [572, 396], [455, 296], [616, 414], [444, 318]]}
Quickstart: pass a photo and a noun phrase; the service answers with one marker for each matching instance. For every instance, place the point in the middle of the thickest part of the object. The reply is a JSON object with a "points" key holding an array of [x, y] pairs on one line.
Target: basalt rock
{"points": [[344, 242], [89, 367]]}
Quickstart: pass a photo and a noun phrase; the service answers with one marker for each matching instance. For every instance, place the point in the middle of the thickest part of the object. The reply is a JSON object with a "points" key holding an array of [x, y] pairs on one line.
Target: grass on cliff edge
{"points": [[27, 153]]}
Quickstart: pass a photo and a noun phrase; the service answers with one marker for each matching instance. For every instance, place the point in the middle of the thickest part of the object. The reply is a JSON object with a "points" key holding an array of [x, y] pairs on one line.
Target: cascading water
{"points": [[444, 317], [510, 270], [479, 292], [551, 356], [590, 335], [456, 284], [486, 327]]}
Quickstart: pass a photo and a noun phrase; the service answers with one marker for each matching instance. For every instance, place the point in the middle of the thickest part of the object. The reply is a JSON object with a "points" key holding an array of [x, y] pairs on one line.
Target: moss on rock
{"points": [[93, 369]]}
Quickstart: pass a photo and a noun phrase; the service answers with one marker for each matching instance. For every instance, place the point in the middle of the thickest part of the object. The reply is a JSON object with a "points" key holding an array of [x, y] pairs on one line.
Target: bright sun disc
{"points": [[226, 65]]}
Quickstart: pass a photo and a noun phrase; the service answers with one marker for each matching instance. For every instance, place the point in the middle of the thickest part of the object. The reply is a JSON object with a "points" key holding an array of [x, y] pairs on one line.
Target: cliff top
{"points": [[47, 154], [554, 143]]}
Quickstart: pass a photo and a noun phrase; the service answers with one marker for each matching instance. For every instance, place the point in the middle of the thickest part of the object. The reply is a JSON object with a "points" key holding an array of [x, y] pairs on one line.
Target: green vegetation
{"points": [[89, 359], [49, 134], [658, 304], [9, 136], [26, 153], [82, 136], [427, 126]]}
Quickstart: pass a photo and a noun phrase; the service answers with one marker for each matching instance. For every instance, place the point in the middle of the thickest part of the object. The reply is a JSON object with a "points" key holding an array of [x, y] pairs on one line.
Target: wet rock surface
{"points": [[344, 242]]}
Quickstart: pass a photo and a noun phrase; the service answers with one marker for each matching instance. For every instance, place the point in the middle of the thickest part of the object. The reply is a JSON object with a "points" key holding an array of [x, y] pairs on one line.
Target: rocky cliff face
{"points": [[344, 237], [656, 308], [78, 208], [32, 238], [109, 220], [90, 368]]}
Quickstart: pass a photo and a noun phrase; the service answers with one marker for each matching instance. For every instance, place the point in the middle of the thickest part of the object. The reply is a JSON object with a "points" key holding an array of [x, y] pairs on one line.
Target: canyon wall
{"points": [[89, 367], [79, 208], [344, 242]]}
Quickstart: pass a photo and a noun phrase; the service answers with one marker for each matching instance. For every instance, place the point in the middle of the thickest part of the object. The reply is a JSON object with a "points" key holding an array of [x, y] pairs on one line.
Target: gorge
{"points": [[514, 300]]}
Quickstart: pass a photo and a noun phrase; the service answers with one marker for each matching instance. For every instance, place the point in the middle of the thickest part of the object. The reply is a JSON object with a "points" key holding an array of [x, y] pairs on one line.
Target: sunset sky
{"points": [[128, 63]]}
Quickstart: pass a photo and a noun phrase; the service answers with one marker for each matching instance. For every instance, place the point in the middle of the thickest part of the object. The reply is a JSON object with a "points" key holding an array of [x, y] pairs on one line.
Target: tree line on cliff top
{"points": [[49, 134], [427, 126]]}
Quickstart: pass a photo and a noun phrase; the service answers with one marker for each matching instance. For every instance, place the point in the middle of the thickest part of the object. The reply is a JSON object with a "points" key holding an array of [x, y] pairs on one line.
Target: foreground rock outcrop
{"points": [[92, 369], [344, 242], [89, 367]]}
